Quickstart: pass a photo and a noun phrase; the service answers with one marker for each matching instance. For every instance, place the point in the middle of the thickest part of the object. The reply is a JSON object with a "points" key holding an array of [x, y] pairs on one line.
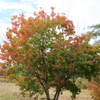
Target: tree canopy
{"points": [[43, 51]]}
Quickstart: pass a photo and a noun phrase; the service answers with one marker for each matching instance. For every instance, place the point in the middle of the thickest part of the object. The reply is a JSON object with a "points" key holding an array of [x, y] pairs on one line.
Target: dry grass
{"points": [[9, 91]]}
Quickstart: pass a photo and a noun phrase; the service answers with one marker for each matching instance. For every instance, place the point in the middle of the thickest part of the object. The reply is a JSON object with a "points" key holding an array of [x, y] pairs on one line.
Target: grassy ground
{"points": [[9, 91]]}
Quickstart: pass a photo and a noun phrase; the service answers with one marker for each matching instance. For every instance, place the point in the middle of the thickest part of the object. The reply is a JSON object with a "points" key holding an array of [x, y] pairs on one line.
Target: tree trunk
{"points": [[47, 95], [56, 96]]}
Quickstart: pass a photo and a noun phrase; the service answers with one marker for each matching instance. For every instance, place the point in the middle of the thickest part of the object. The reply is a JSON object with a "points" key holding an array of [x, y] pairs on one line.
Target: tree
{"points": [[43, 51], [95, 29]]}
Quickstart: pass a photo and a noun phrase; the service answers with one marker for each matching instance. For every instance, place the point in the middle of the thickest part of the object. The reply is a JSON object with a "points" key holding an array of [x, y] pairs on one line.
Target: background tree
{"points": [[94, 85], [43, 51], [95, 29]]}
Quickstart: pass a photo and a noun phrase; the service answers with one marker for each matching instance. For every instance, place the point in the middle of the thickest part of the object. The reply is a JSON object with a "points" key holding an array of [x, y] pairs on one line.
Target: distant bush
{"points": [[81, 83], [2, 80]]}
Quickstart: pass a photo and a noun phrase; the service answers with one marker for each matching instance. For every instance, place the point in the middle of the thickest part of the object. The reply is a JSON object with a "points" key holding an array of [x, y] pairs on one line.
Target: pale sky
{"points": [[82, 12]]}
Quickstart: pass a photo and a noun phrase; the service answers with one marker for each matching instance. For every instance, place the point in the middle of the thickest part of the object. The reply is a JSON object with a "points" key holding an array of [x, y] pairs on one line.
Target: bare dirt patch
{"points": [[9, 91]]}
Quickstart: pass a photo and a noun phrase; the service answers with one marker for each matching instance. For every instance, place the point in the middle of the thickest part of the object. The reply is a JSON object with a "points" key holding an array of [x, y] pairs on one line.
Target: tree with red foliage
{"points": [[43, 51]]}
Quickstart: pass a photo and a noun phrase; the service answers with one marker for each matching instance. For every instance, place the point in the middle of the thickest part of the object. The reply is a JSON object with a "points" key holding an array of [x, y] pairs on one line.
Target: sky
{"points": [[83, 13]]}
